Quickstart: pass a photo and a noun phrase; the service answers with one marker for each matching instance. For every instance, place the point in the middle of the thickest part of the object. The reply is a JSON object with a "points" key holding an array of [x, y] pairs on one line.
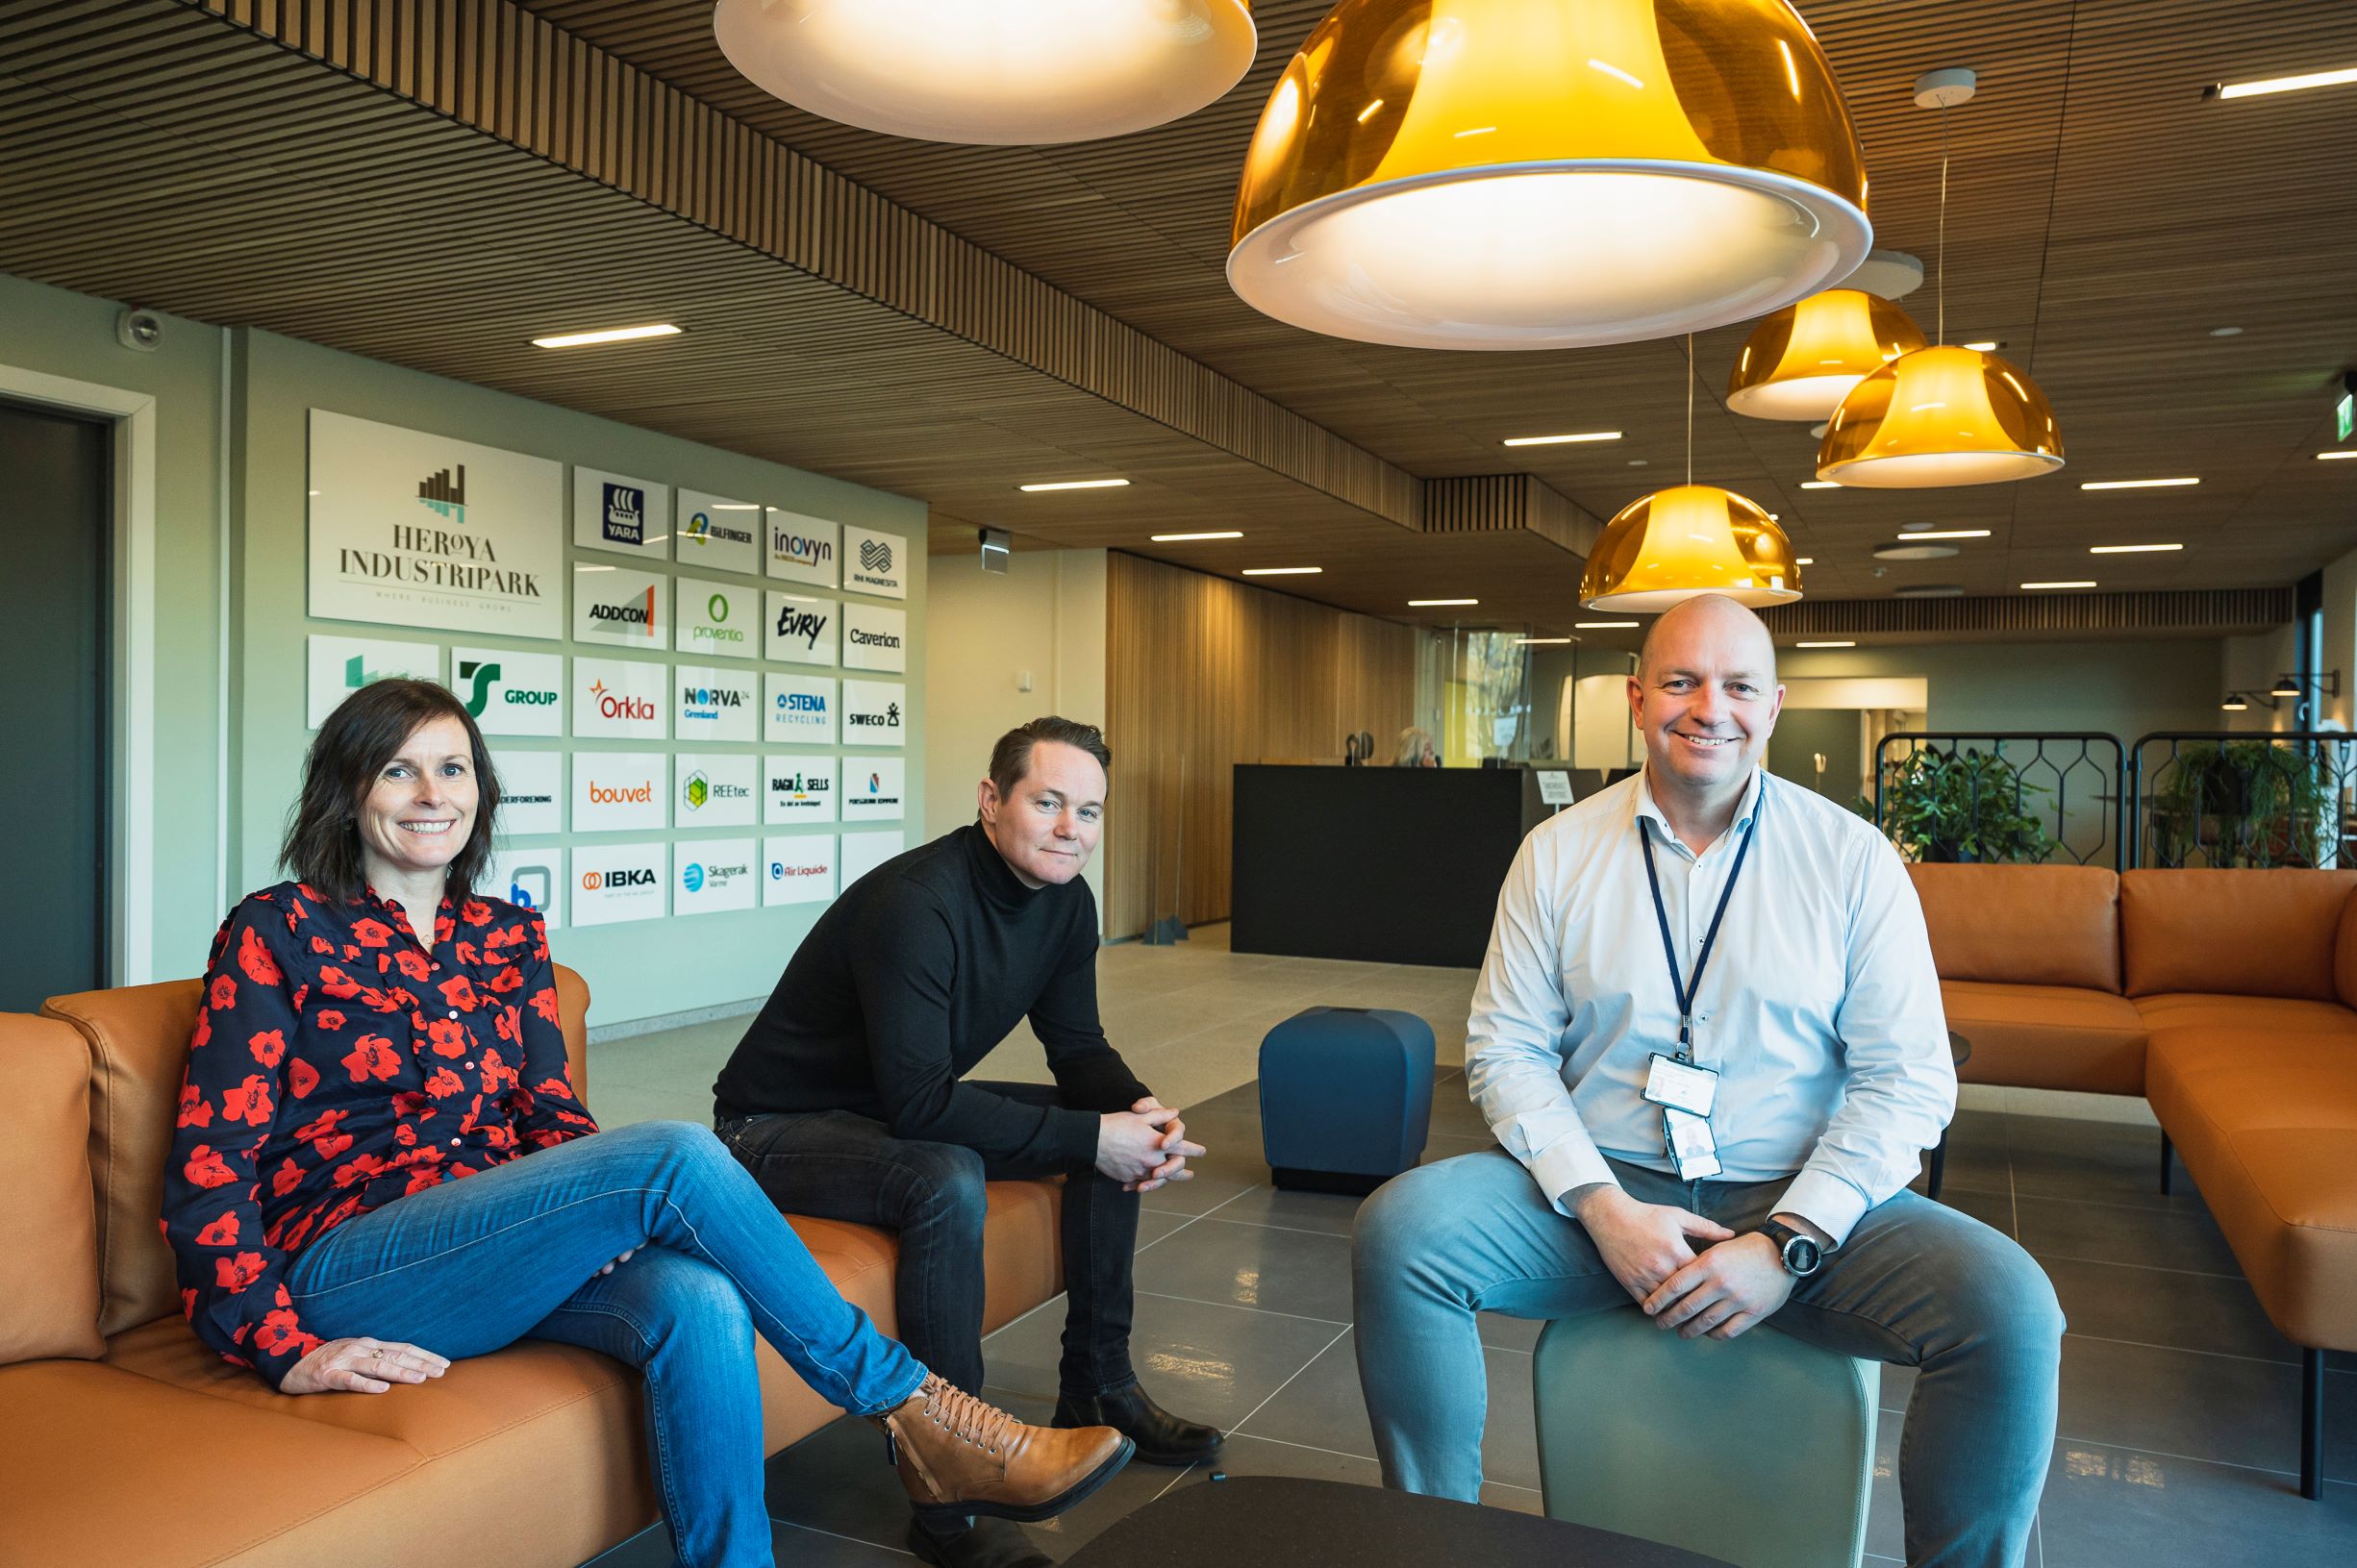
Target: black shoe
{"points": [[1162, 1439], [992, 1543]]}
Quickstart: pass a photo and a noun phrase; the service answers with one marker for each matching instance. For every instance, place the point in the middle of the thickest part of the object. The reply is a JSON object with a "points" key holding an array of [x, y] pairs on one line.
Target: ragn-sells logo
{"points": [[483, 675], [630, 876], [638, 612], [706, 703], [801, 787], [444, 494], [798, 549], [715, 610], [705, 529], [624, 514], [615, 705], [807, 624], [889, 719]]}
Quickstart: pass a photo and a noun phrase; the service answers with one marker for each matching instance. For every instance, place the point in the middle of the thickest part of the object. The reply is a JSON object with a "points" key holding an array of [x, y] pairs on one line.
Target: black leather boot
{"points": [[1162, 1439], [991, 1543]]}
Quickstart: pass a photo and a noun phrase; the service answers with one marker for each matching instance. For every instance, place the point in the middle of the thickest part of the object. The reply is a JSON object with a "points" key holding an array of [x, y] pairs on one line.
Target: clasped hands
{"points": [[1144, 1146], [1731, 1286]]}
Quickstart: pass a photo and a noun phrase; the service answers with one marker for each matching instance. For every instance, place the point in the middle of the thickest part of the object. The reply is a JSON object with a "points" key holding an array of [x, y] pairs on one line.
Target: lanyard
{"points": [[1670, 949]]}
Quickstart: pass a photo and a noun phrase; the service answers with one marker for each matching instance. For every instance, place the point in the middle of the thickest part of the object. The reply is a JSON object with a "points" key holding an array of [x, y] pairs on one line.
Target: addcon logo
{"points": [[638, 612]]}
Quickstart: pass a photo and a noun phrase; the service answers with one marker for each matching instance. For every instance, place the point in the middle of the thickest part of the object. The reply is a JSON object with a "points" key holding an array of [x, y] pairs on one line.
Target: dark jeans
{"points": [[841, 1167]]}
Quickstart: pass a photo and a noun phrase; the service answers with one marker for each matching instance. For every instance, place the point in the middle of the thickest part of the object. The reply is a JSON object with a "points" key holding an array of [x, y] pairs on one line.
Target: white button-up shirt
{"points": [[1820, 1008]]}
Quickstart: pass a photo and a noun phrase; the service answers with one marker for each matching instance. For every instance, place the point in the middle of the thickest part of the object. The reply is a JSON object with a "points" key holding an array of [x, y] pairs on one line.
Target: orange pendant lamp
{"points": [[1537, 174], [1000, 72], [1942, 416], [1801, 361], [1664, 548]]}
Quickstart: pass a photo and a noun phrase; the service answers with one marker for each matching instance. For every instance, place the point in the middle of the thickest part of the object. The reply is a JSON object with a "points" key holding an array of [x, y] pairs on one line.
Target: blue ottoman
{"points": [[1345, 1097]]}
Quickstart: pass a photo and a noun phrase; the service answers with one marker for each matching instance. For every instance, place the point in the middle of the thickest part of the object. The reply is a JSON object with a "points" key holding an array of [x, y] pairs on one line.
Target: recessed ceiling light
{"points": [[1563, 441], [2129, 549], [594, 568], [2135, 484], [1804, 561], [2285, 84], [2225, 332], [2087, 584], [1638, 463], [1440, 604], [1282, 571], [735, 505], [1987, 345], [1819, 485], [1908, 550], [1602, 625], [1928, 590], [1945, 533], [1183, 538], [2325, 457], [612, 335], [1077, 485], [1824, 645], [1544, 642]]}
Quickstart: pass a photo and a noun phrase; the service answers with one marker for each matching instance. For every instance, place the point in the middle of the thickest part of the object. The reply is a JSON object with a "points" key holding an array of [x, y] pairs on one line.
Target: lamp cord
{"points": [[1690, 407], [1942, 253]]}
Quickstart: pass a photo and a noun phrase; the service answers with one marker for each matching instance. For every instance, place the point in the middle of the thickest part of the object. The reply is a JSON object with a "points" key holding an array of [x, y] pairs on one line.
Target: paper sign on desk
{"points": [[1554, 786]]}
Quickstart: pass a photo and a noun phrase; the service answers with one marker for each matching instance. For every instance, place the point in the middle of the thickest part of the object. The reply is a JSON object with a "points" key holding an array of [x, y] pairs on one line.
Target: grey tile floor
{"points": [[2178, 1435]]}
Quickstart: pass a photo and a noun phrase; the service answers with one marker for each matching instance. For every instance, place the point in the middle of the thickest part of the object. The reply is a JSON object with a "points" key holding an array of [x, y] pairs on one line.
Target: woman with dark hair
{"points": [[381, 1168]]}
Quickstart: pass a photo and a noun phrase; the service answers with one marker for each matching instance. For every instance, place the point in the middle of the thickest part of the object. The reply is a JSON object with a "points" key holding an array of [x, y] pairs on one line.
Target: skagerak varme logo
{"points": [[624, 514], [889, 719], [806, 624], [634, 612]]}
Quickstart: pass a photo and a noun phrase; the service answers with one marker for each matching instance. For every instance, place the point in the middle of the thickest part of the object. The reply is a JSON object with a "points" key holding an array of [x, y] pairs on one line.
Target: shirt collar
{"points": [[1648, 811], [991, 873]]}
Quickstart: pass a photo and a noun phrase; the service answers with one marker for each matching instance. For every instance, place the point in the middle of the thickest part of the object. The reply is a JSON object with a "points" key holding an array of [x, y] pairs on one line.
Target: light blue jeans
{"points": [[473, 1265], [1916, 1283]]}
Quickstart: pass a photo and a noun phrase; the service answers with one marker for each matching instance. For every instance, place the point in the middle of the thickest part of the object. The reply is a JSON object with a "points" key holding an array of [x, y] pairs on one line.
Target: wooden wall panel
{"points": [[1203, 673]]}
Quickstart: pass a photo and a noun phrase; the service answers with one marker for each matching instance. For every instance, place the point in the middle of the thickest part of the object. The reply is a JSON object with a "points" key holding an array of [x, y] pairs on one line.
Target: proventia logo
{"points": [[716, 631], [623, 514], [638, 612]]}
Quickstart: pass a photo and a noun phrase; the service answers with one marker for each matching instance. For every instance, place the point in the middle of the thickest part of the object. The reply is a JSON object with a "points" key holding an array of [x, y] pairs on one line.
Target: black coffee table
{"points": [[1962, 1050], [1325, 1524]]}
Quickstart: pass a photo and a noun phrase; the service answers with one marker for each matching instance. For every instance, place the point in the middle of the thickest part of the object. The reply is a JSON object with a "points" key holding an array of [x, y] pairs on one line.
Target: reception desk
{"points": [[1393, 865]]}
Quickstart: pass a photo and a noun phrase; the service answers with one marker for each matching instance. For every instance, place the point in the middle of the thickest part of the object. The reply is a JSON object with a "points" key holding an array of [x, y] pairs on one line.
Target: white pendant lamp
{"points": [[1537, 174], [1942, 416], [1801, 361], [1005, 72]]}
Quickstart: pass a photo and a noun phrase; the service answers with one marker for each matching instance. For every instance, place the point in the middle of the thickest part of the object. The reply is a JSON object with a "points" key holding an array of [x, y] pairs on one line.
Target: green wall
{"points": [[2122, 688]]}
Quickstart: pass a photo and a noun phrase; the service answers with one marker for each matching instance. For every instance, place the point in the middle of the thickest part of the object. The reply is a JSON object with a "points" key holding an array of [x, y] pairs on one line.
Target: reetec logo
{"points": [[862, 638], [639, 794], [484, 675], [613, 705], [638, 612], [635, 876], [700, 791], [715, 610], [806, 624]]}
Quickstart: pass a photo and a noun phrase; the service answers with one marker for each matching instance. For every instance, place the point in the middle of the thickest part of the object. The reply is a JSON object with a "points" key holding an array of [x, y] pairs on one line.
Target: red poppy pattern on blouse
{"points": [[336, 1065]]}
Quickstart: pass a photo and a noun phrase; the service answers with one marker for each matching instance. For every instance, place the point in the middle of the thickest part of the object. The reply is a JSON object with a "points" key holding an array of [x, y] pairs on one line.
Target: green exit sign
{"points": [[2344, 416]]}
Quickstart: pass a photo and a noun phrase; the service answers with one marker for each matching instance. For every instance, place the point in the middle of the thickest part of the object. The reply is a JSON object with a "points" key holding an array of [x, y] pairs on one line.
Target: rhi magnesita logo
{"points": [[875, 555]]}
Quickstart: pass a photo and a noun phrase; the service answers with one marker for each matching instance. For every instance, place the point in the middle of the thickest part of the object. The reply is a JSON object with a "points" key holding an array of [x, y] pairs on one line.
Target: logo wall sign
{"points": [[620, 514], [876, 561], [875, 637], [339, 666], [799, 627], [511, 693], [619, 881], [716, 618], [801, 548], [620, 607], [718, 534]]}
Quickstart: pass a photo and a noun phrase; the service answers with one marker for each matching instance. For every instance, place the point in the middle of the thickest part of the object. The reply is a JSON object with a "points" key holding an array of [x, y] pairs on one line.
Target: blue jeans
{"points": [[1916, 1283], [473, 1265]]}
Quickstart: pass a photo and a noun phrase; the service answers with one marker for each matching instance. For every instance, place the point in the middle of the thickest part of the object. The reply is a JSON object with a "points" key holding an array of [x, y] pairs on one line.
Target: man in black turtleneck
{"points": [[846, 1098]]}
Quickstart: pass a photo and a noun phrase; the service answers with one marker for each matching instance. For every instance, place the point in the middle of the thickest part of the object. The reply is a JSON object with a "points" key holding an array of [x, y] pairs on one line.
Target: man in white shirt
{"points": [[1815, 1070]]}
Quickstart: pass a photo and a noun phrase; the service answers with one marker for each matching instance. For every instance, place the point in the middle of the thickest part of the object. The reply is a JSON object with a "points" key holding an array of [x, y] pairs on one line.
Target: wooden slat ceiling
{"points": [[432, 181]]}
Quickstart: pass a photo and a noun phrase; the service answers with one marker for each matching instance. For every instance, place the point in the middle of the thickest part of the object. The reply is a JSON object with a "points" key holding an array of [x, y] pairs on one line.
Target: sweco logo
{"points": [[638, 612], [613, 705], [875, 555], [715, 610], [806, 624], [889, 719], [479, 694], [633, 876], [798, 549]]}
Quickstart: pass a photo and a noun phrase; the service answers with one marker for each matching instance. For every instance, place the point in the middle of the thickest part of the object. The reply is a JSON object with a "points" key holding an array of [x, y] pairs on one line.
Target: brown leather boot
{"points": [[958, 1455]]}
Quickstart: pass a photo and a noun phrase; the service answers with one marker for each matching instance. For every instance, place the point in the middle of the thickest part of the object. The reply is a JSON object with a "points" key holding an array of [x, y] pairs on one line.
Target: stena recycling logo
{"points": [[801, 709], [875, 555], [613, 705], [625, 514], [637, 613]]}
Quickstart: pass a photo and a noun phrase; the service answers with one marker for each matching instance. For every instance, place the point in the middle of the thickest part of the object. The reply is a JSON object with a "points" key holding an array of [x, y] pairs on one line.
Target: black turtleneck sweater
{"points": [[914, 975]]}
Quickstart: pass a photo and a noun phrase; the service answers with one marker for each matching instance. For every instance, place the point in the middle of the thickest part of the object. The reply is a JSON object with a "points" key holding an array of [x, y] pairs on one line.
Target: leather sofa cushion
{"points": [[2024, 925], [138, 1039], [2238, 933], [2194, 1010], [2047, 1036], [49, 1234], [2266, 1124]]}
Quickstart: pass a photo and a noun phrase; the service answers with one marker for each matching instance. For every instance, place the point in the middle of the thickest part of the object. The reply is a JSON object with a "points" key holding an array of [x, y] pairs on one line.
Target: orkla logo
{"points": [[613, 705], [806, 624], [639, 794], [639, 612], [636, 875]]}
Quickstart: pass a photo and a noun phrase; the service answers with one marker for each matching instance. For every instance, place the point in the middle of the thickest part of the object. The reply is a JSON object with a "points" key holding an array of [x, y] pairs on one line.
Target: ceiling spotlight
{"points": [[1987, 345], [610, 334], [2137, 484], [2283, 84], [2089, 584], [1928, 590], [2130, 549], [1282, 571], [1914, 552], [2225, 332], [1563, 441], [1804, 561], [1187, 539], [1077, 485], [1544, 642], [1819, 485]]}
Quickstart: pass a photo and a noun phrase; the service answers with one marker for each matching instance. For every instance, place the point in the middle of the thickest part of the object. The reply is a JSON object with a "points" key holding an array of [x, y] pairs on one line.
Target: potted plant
{"points": [[2247, 803], [1963, 806]]}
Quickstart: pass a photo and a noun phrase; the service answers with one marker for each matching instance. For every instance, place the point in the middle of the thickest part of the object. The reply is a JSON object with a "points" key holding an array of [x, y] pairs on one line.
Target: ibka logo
{"points": [[625, 516], [613, 705], [889, 719], [638, 612], [635, 876], [798, 549], [862, 638], [806, 624]]}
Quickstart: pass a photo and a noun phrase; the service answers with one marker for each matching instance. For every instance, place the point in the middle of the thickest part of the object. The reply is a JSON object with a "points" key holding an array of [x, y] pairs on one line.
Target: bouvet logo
{"points": [[629, 795], [806, 624], [875, 555]]}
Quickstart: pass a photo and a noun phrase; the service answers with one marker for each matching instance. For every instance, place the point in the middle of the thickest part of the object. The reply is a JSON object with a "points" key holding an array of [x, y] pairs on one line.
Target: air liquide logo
{"points": [[717, 632], [483, 676], [439, 492], [615, 705], [806, 624], [795, 548], [623, 514], [638, 612]]}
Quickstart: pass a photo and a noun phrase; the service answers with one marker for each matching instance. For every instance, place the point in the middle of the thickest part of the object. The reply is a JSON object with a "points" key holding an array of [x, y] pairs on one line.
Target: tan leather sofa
{"points": [[124, 1441], [2228, 999]]}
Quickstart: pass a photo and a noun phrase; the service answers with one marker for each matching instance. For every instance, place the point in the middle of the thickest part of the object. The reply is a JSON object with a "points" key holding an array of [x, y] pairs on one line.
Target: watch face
{"points": [[1801, 1256]]}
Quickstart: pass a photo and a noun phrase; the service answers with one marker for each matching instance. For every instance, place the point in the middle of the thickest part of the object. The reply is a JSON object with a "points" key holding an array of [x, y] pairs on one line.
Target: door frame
{"points": [[131, 910]]}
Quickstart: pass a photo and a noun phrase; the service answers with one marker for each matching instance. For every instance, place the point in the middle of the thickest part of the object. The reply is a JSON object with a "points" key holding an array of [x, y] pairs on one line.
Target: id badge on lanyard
{"points": [[1687, 1091]]}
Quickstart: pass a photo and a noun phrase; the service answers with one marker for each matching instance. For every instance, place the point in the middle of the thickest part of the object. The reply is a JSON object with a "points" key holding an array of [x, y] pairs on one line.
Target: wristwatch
{"points": [[1802, 1256]]}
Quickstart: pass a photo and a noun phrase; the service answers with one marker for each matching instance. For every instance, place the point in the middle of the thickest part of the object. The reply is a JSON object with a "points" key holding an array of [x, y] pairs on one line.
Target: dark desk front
{"points": [[1389, 865]]}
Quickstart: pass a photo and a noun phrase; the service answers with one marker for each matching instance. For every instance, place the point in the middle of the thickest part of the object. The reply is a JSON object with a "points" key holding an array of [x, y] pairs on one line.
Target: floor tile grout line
{"points": [[836, 1535], [1288, 1383], [1174, 1230], [1369, 1459], [1265, 1311], [2196, 1458], [2180, 1350]]}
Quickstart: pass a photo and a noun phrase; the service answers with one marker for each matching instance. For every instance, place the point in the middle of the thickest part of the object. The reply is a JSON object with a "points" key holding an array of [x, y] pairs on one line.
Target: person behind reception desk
{"points": [[1708, 1039], [1416, 750], [847, 1098]]}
